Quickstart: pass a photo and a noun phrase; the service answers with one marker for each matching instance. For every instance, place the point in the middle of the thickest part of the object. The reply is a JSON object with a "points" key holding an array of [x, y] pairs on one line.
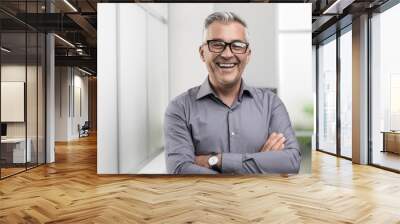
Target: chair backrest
{"points": [[86, 124]]}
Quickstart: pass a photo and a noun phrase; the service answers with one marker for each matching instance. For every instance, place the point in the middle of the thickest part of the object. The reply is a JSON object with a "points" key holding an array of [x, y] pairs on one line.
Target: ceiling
{"points": [[76, 22], [75, 43]]}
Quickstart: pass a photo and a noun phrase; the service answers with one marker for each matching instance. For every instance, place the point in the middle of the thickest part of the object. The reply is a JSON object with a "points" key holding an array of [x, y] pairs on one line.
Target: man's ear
{"points": [[248, 56], [201, 51]]}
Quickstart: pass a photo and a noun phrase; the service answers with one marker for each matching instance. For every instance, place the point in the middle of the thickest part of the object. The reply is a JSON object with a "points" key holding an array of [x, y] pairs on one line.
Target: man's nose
{"points": [[227, 52]]}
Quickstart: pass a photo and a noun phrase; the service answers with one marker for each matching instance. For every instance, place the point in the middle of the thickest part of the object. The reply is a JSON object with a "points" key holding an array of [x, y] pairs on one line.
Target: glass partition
{"points": [[32, 94], [13, 111], [22, 78], [33, 57], [41, 97]]}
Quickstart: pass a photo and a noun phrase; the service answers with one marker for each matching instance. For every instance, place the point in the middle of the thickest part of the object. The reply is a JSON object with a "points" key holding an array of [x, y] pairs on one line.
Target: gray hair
{"points": [[224, 17]]}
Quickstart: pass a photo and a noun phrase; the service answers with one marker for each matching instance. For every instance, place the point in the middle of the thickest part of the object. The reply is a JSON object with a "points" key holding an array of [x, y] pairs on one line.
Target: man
{"points": [[225, 126]]}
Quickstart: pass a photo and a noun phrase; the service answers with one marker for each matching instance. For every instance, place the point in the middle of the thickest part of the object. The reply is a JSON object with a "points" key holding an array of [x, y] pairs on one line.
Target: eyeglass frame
{"points": [[226, 44]]}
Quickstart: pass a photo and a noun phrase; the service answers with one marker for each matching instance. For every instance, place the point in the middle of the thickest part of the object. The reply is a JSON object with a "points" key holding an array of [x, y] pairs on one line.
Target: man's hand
{"points": [[202, 160], [276, 141]]}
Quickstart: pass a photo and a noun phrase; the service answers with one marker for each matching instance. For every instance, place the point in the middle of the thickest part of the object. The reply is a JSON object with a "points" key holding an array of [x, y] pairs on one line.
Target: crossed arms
{"points": [[279, 154]]}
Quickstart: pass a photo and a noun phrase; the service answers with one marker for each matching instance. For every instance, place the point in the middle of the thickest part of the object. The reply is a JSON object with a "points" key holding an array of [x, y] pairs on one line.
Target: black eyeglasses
{"points": [[218, 46]]}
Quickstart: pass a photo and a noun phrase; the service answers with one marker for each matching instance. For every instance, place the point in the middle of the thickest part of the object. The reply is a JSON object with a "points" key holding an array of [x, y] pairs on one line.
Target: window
{"points": [[385, 89], [346, 94], [327, 96]]}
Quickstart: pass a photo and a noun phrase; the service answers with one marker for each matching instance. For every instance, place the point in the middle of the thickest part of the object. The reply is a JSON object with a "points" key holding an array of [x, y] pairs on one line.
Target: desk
{"points": [[391, 141], [13, 150]]}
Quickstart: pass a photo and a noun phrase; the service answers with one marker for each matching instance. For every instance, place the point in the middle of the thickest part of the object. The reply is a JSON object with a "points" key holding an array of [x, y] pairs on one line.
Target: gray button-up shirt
{"points": [[197, 122]]}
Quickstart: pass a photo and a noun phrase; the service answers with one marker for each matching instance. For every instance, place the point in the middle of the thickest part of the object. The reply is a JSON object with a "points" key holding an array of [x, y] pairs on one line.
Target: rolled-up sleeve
{"points": [[283, 161], [179, 149]]}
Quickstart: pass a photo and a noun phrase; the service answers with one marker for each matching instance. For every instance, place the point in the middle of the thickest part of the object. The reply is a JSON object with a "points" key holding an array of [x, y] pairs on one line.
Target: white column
{"points": [[107, 131], [50, 99], [132, 88]]}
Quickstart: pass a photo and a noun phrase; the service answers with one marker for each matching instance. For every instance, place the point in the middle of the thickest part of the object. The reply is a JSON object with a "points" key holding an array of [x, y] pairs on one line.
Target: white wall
{"points": [[107, 69], [157, 77], [132, 84], [131, 79], [61, 110], [68, 82], [185, 32], [81, 108], [295, 61]]}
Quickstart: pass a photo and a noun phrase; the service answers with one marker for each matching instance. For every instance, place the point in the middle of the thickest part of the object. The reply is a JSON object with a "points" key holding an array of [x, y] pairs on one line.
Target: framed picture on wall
{"points": [[12, 101]]}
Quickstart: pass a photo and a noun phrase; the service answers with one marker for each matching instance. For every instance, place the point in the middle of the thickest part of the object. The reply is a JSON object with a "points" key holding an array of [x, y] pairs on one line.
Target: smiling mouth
{"points": [[226, 65]]}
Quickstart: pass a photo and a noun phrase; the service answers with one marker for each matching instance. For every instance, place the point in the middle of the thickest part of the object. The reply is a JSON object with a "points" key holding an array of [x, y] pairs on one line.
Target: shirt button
{"points": [[233, 133]]}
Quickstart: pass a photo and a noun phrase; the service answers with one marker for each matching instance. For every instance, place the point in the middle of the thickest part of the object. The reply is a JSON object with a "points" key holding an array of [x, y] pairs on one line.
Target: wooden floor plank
{"points": [[70, 191]]}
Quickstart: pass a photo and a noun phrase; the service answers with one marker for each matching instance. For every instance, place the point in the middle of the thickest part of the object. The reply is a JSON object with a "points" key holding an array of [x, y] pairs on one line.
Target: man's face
{"points": [[225, 68]]}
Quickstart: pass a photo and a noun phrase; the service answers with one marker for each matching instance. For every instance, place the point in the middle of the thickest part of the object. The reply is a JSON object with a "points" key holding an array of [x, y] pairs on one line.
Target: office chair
{"points": [[84, 130]]}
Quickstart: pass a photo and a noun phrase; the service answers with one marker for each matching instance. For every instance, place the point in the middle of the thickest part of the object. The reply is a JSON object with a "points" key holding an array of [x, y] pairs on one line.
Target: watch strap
{"points": [[215, 167]]}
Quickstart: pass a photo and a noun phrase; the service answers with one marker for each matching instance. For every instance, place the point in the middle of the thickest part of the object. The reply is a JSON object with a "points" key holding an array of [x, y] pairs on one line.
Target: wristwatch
{"points": [[213, 161]]}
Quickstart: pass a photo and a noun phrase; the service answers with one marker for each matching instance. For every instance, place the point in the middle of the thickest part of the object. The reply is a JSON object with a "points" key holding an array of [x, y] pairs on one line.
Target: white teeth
{"points": [[225, 65]]}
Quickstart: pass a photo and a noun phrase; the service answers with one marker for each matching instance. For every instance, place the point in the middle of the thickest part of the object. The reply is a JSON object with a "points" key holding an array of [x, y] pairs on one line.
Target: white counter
{"points": [[19, 149]]}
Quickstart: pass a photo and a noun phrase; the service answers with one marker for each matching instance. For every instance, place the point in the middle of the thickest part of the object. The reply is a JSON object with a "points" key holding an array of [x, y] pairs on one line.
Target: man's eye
{"points": [[239, 45], [218, 45]]}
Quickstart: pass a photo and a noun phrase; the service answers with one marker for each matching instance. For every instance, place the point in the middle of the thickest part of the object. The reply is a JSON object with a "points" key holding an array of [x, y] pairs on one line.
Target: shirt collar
{"points": [[245, 89], [205, 90]]}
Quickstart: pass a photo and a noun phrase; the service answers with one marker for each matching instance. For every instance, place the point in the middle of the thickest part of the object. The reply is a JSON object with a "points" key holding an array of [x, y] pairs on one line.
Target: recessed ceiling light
{"points": [[5, 50], [64, 40], [84, 71], [338, 6], [70, 5]]}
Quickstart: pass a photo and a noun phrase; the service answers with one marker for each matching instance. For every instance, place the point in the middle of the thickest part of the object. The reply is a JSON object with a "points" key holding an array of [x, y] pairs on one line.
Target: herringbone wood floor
{"points": [[70, 191]]}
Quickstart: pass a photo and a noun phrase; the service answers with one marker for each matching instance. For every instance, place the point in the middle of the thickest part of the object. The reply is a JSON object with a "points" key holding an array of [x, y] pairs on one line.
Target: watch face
{"points": [[213, 160]]}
